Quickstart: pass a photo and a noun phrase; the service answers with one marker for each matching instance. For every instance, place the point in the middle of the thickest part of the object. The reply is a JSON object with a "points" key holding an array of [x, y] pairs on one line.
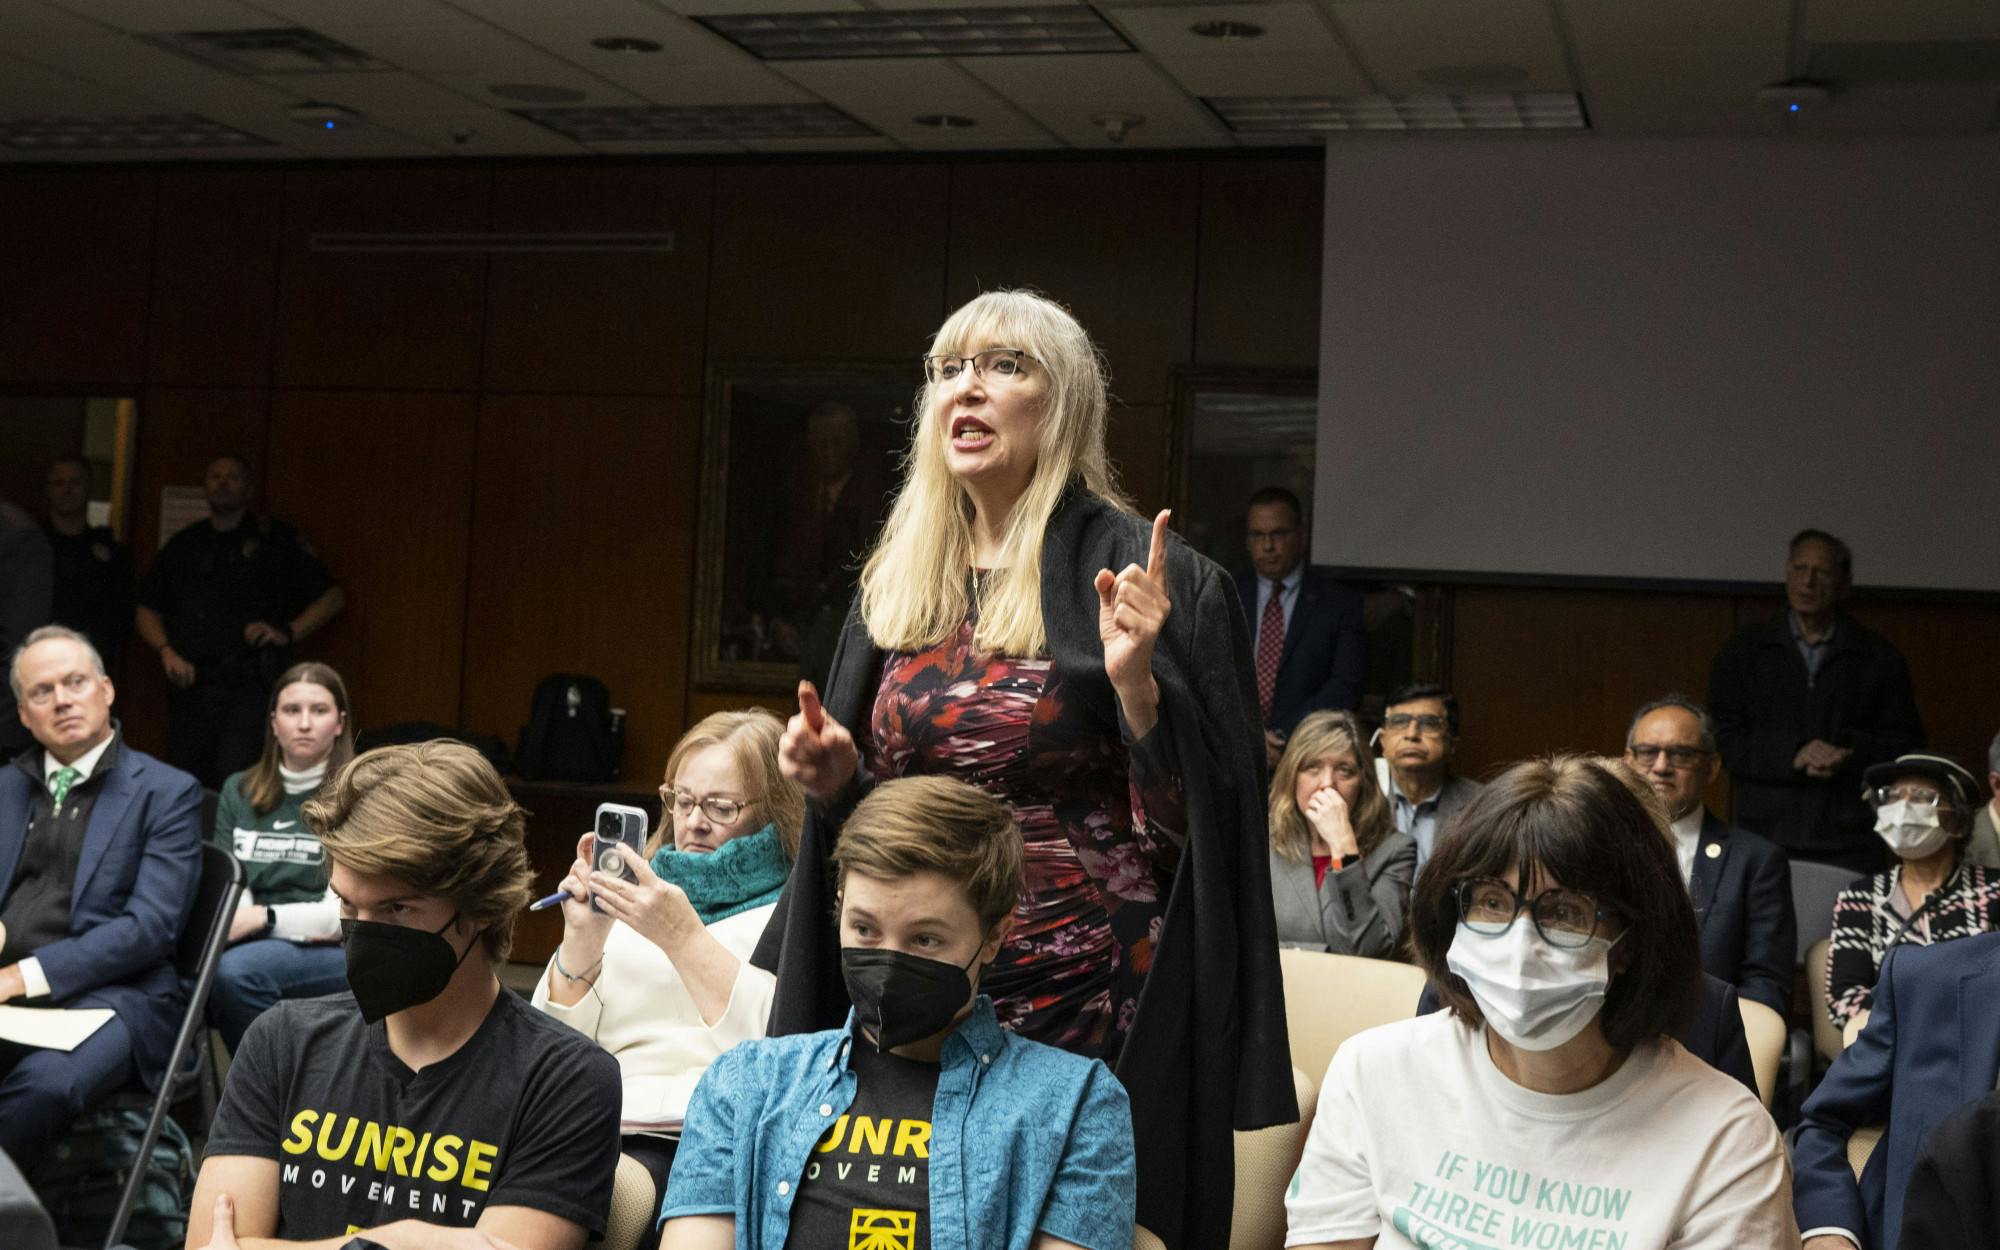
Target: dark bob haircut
{"points": [[1566, 820]]}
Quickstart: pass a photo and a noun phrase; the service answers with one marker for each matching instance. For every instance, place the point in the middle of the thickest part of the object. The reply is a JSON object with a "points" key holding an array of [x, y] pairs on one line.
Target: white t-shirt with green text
{"points": [[1420, 1141]]}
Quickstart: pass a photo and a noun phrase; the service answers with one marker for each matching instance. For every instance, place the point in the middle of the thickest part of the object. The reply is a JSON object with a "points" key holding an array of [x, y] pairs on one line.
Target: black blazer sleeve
{"points": [[1719, 1027], [1342, 687], [1753, 748], [1770, 931]]}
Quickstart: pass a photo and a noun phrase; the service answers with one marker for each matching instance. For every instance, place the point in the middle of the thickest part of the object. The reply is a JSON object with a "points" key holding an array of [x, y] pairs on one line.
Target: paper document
{"points": [[53, 1028]]}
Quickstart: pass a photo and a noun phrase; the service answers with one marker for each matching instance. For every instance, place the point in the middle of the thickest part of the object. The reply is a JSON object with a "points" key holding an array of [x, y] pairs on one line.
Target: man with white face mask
{"points": [[1923, 811], [1549, 1104]]}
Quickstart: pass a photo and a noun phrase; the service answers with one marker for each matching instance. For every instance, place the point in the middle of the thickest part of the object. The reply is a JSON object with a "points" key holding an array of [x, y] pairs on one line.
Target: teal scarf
{"points": [[740, 874]]}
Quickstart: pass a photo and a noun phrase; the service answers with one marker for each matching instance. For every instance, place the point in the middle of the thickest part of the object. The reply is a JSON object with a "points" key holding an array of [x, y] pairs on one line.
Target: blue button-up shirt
{"points": [[1813, 653], [1419, 820], [1025, 1138]]}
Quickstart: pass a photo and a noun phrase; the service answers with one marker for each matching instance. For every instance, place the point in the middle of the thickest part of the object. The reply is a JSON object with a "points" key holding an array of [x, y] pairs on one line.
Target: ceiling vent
{"points": [[267, 50], [1499, 110]]}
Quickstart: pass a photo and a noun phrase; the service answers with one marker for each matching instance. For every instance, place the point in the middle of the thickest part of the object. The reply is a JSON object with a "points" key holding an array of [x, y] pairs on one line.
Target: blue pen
{"points": [[543, 904]]}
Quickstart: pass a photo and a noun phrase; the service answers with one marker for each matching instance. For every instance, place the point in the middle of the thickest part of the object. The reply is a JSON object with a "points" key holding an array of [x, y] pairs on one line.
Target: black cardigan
{"points": [[1207, 1052]]}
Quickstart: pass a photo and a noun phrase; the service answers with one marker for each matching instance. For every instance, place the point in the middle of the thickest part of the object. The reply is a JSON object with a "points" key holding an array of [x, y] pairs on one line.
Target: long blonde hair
{"points": [[913, 586], [1317, 736], [751, 735]]}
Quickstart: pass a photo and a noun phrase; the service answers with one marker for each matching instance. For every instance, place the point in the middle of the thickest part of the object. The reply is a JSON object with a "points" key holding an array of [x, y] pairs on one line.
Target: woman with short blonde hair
{"points": [[1018, 627]]}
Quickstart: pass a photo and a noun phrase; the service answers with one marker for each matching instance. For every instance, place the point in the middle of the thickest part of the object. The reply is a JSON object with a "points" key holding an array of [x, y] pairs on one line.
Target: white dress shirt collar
{"points": [[1687, 839], [84, 764]]}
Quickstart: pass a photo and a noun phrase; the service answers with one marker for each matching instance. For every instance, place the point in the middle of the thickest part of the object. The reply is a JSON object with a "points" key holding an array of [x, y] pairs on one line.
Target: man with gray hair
{"points": [[1740, 883], [100, 852], [1984, 846]]}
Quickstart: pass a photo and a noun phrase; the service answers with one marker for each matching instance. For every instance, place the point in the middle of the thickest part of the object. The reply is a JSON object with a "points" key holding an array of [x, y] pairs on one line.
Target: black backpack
{"points": [[81, 1178], [571, 734]]}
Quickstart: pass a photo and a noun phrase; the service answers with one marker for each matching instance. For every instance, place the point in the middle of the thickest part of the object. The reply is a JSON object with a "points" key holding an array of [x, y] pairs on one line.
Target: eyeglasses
{"points": [[1915, 796], [1645, 754], [1429, 724], [1565, 918], [995, 364], [721, 811], [76, 685]]}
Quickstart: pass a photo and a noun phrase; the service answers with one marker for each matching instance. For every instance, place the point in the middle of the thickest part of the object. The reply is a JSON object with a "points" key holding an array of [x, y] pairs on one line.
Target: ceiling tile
{"points": [[1400, 42], [1063, 92], [1314, 74], [1682, 90], [1908, 109], [888, 93], [820, 145], [169, 15], [1681, 23], [1873, 20], [425, 112]]}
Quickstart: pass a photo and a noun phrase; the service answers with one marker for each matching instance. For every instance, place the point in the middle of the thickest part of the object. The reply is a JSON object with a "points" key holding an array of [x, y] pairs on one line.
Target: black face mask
{"points": [[392, 967], [903, 998]]}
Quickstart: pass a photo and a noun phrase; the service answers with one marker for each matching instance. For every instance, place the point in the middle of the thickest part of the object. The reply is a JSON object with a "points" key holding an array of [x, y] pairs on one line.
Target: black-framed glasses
{"points": [[721, 811], [1429, 724], [1565, 918], [1646, 754], [995, 364]]}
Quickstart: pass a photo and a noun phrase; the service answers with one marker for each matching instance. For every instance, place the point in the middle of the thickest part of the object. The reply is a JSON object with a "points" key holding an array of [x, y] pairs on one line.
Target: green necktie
{"points": [[59, 785]]}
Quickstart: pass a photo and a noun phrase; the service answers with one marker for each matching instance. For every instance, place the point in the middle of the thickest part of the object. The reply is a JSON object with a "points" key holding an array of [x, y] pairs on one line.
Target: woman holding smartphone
{"points": [[658, 973]]}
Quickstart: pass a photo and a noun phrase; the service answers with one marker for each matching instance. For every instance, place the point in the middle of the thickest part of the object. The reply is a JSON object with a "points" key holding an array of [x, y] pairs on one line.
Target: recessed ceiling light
{"points": [[1227, 31], [535, 93], [1495, 110], [918, 32], [944, 121], [624, 43]]}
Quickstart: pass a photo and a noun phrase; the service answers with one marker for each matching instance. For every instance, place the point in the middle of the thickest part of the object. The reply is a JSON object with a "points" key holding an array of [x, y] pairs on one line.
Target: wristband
{"points": [[567, 975]]}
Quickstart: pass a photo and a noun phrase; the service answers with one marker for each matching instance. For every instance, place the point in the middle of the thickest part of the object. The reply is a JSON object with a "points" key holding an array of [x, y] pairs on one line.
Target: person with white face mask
{"points": [[1548, 1105], [1923, 811]]}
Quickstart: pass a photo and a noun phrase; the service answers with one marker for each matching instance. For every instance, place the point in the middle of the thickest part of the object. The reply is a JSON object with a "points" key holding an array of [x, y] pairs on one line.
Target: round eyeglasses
{"points": [[1565, 918]]}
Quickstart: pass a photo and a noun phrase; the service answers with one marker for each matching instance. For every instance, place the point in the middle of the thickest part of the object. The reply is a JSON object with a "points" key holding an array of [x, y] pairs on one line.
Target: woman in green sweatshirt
{"points": [[285, 940]]}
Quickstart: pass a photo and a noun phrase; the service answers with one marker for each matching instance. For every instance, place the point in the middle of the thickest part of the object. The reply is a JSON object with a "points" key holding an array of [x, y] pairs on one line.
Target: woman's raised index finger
{"points": [[1156, 560]]}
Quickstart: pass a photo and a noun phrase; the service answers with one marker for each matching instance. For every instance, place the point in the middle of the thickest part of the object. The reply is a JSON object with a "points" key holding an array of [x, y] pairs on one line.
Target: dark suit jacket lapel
{"points": [[16, 796], [106, 815], [1707, 868], [1979, 1026]]}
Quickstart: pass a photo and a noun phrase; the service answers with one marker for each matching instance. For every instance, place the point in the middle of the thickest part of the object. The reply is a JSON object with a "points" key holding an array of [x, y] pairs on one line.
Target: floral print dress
{"points": [[1102, 822]]}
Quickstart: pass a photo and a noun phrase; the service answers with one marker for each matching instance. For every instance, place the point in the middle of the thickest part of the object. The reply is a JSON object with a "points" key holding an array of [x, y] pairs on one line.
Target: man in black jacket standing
{"points": [[1803, 703]]}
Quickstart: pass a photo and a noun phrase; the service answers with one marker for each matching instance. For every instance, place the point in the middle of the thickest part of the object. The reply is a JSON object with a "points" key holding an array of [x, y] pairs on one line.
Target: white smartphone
{"points": [[615, 823]]}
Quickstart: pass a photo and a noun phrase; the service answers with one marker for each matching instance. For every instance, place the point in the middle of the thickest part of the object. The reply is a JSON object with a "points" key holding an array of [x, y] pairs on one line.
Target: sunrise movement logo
{"points": [[882, 1230]]}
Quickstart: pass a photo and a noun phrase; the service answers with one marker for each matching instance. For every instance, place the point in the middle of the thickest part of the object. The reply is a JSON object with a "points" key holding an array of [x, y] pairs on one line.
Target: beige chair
{"points": [[1826, 1038], [634, 1206], [1860, 1146], [1144, 1240], [1266, 1159], [1765, 1030], [1330, 998]]}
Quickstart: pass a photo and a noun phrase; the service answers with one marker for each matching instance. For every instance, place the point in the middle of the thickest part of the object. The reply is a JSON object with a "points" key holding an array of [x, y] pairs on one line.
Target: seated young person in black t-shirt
{"points": [[427, 1108]]}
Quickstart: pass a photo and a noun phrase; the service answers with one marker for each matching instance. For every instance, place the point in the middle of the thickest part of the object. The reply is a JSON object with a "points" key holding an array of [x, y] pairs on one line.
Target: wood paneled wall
{"points": [[499, 455]]}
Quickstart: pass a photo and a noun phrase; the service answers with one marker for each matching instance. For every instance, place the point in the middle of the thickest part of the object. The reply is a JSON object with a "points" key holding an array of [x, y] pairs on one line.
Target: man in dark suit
{"points": [[1804, 703], [1932, 1045], [1419, 737], [100, 852], [1311, 647], [1741, 884]]}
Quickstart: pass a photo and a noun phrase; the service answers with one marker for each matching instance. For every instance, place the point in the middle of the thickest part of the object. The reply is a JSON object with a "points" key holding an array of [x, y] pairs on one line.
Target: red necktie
{"points": [[1270, 646]]}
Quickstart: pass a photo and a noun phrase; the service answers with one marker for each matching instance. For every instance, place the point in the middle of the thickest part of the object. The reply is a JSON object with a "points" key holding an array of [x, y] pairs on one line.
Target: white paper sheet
{"points": [[53, 1028]]}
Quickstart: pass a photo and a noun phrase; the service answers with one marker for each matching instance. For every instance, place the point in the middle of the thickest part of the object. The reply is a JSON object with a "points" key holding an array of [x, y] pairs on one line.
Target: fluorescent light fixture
{"points": [[1040, 29], [149, 132], [657, 123], [1476, 110], [266, 50]]}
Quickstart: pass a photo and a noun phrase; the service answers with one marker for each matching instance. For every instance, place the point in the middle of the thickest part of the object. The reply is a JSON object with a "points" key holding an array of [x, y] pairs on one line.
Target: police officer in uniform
{"points": [[223, 603], [93, 582]]}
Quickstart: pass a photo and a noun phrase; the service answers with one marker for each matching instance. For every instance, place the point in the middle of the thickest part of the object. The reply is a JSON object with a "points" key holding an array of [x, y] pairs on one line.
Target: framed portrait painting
{"points": [[798, 465]]}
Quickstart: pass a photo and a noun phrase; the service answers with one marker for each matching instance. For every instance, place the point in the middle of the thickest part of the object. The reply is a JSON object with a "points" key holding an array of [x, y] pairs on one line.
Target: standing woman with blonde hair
{"points": [[1019, 628], [1340, 870]]}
